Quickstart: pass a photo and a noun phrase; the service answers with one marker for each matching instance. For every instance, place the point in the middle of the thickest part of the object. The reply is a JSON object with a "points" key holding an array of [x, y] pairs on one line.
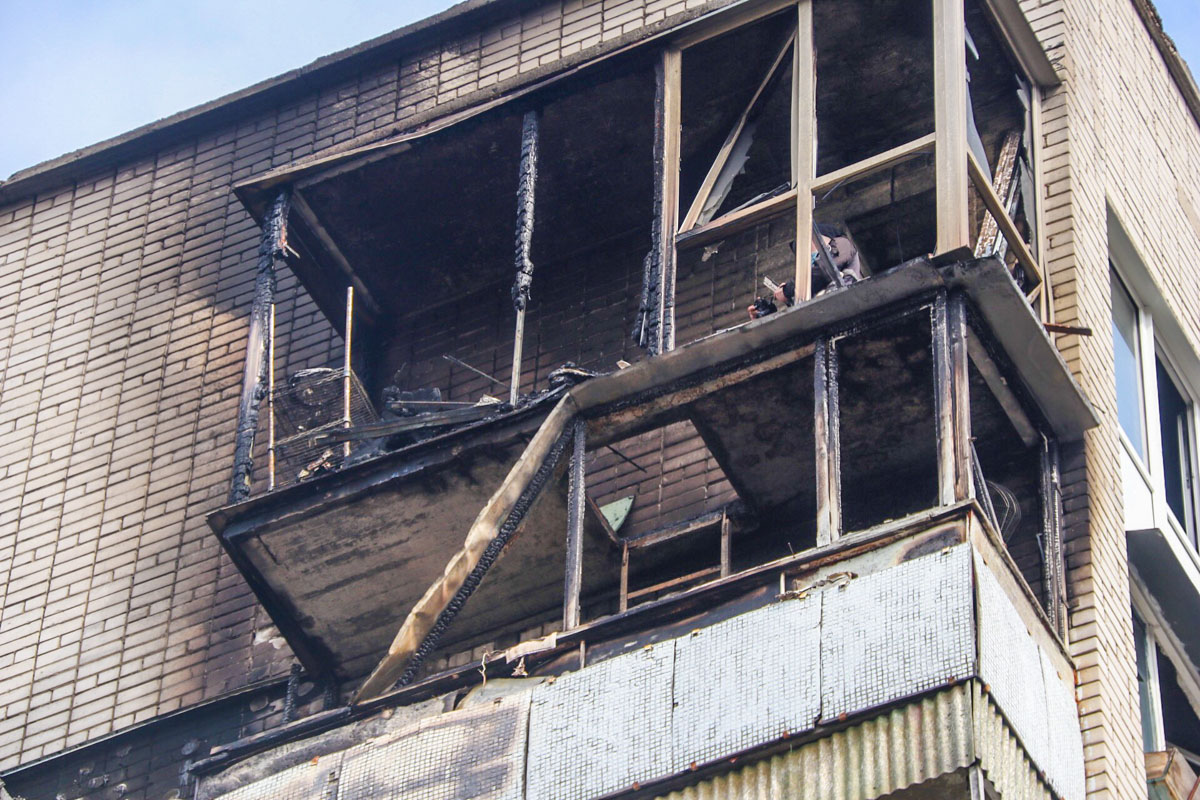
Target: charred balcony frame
{"points": [[956, 356], [963, 351], [674, 227]]}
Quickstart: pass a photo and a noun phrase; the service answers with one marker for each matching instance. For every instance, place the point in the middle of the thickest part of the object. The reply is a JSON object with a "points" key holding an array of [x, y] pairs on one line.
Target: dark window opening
{"points": [[889, 216], [1174, 420], [736, 101], [888, 434], [874, 77]]}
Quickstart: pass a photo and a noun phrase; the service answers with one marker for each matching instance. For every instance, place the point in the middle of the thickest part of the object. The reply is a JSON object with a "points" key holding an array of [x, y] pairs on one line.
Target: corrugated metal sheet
{"points": [[904, 747], [1004, 761]]}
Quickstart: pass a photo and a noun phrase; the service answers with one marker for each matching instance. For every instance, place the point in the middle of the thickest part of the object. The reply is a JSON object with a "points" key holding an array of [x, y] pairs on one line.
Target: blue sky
{"points": [[80, 71]]}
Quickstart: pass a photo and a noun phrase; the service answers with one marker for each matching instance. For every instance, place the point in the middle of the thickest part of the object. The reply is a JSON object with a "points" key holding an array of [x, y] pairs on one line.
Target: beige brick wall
{"points": [[123, 306], [123, 300], [1116, 133]]}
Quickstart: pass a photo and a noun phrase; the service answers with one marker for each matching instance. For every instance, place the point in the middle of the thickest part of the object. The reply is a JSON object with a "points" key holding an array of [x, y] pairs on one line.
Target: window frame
{"points": [[1152, 350]]}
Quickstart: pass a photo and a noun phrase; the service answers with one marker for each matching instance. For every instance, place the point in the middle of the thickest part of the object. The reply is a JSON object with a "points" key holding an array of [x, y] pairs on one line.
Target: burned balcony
{"points": [[885, 543], [518, 465]]}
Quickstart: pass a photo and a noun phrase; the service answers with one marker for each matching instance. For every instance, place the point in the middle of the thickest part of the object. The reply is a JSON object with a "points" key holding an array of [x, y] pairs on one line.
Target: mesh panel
{"points": [[309, 402]]}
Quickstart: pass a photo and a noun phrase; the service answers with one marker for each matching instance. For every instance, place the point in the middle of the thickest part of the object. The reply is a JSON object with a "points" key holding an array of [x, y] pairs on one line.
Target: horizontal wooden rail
{"points": [[737, 220], [658, 587], [877, 163]]}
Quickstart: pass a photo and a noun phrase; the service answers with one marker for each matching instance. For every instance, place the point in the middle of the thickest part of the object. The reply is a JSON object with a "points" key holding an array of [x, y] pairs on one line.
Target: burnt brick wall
{"points": [[124, 295]]}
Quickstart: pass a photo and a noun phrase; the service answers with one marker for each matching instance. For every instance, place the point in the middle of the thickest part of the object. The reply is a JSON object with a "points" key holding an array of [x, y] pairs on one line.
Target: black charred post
{"points": [[960, 394], [271, 251], [289, 699], [526, 189], [647, 325], [951, 399], [576, 500], [1053, 568], [827, 437]]}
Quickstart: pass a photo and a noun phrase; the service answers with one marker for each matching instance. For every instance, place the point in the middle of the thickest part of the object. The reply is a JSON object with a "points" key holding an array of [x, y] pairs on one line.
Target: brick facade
{"points": [[1117, 134], [124, 297]]}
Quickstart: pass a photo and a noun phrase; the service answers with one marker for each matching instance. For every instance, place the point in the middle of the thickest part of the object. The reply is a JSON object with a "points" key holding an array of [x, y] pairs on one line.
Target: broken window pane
{"points": [[874, 77], [1000, 134], [736, 119], [888, 434]]}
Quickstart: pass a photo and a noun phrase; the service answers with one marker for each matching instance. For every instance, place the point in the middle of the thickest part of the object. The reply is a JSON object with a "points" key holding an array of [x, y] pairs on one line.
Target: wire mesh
{"points": [[311, 401]]}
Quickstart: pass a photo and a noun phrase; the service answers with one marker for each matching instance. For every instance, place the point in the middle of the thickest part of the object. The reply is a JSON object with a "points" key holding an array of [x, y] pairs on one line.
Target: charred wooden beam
{"points": [[1053, 568], [496, 524], [951, 399], [960, 389], [827, 437], [526, 189], [271, 249], [576, 502], [666, 165], [726, 549]]}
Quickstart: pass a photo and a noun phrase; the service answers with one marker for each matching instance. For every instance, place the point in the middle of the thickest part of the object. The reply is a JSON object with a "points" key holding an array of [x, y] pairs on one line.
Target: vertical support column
{"points": [[346, 366], [271, 250], [1046, 298], [951, 399], [950, 124], [526, 188], [666, 165], [623, 598], [1053, 568], [804, 142], [576, 500], [827, 437], [726, 545], [271, 402]]}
